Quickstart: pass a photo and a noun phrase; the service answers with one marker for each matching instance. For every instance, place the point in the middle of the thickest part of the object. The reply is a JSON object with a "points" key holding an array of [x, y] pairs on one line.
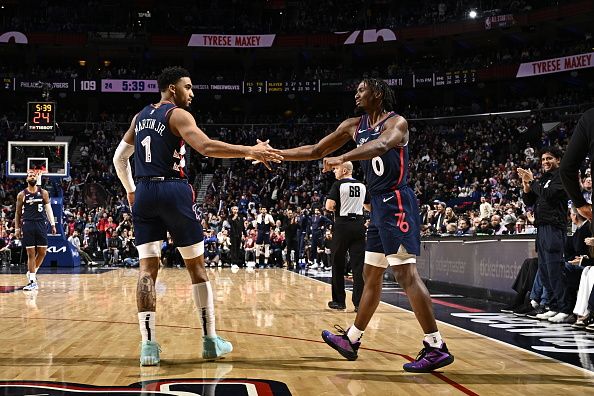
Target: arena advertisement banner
{"points": [[231, 40], [556, 65], [499, 21], [481, 263]]}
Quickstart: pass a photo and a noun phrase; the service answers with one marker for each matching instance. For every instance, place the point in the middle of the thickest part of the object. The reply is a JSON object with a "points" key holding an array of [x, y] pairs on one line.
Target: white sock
{"points": [[203, 298], [31, 276], [146, 322], [534, 304], [434, 339], [354, 334]]}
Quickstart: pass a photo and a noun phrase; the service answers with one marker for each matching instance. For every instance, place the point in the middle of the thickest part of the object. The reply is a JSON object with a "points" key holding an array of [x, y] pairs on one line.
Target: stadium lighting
{"points": [[472, 14]]}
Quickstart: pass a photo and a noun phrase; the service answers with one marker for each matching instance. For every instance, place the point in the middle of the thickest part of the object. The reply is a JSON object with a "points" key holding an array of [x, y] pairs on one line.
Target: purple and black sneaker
{"points": [[341, 343], [430, 359]]}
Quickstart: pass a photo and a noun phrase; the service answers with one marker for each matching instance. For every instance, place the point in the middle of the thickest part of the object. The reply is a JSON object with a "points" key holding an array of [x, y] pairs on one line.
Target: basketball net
{"points": [[38, 174]]}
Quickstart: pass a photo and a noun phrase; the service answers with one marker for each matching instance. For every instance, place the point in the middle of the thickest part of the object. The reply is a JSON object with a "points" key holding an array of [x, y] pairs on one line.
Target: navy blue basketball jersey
{"points": [[157, 151], [33, 207], [389, 171], [263, 222]]}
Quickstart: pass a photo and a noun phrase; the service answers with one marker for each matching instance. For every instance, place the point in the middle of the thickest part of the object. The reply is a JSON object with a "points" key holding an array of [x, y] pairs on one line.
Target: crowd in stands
{"points": [[229, 16], [455, 164], [309, 67]]}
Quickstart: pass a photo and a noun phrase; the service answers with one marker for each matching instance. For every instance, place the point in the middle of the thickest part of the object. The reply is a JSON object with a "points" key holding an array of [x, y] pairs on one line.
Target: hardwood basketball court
{"points": [[82, 329]]}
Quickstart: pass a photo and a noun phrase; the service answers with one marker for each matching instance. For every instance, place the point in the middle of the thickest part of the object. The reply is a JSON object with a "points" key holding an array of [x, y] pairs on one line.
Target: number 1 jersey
{"points": [[157, 151]]}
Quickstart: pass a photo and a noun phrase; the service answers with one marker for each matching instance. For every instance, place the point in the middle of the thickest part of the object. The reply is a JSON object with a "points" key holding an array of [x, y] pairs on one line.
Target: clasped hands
{"points": [[263, 153]]}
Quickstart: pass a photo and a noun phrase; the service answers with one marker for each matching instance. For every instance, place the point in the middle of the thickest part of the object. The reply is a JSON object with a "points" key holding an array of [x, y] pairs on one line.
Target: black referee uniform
{"points": [[349, 235]]}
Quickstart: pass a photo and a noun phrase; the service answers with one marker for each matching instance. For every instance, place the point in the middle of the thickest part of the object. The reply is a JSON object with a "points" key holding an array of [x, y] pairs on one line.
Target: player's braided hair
{"points": [[171, 75], [378, 85]]}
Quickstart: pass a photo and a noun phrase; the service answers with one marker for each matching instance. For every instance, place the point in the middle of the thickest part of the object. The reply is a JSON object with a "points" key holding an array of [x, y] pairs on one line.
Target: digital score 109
{"points": [[41, 117]]}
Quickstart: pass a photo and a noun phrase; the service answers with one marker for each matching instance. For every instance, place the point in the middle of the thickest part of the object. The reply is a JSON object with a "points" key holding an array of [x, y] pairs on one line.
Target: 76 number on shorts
{"points": [[401, 222]]}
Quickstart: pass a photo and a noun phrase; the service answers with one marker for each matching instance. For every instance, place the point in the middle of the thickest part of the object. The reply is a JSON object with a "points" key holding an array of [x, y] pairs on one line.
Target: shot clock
{"points": [[41, 117]]}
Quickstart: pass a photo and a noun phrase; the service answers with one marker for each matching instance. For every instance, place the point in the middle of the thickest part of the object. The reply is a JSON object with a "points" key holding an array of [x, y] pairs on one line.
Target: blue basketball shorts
{"points": [[393, 235], [167, 205], [34, 233]]}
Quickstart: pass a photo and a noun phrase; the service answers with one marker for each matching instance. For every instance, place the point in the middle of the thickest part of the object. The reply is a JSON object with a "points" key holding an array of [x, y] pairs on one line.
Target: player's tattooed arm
{"points": [[146, 295]]}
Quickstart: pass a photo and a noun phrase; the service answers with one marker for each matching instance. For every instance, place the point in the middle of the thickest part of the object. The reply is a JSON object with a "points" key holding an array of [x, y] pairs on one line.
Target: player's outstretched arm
{"points": [[395, 133], [327, 145], [183, 124]]}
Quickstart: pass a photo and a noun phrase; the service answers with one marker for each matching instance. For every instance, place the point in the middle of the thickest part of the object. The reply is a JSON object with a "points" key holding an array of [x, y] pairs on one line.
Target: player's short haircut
{"points": [[553, 150], [171, 75], [379, 86]]}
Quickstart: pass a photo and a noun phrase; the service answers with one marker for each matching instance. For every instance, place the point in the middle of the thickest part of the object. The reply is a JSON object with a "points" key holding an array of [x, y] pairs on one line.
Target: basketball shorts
{"points": [[263, 238], [34, 233], [166, 205], [394, 230]]}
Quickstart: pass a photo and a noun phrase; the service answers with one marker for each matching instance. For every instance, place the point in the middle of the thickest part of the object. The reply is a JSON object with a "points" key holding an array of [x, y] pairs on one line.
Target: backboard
{"points": [[52, 157]]}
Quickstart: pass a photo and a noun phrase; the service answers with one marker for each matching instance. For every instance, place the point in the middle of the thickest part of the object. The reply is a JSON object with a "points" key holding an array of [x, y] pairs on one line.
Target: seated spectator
{"points": [[496, 225], [522, 285], [451, 229], [111, 254], [5, 252], [211, 249], [224, 245], [576, 254], [463, 227], [509, 223], [75, 241], [485, 228], [169, 254]]}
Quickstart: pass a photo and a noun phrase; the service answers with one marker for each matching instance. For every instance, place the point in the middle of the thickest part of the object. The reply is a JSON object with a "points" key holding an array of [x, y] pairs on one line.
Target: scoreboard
{"points": [[265, 87]]}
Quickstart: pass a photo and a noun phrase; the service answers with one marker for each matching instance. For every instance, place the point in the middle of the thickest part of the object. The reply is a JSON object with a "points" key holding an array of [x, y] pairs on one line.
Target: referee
{"points": [[347, 198]]}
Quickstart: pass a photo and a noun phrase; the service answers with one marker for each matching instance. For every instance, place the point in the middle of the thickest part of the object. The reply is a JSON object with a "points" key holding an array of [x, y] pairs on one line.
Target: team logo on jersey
{"points": [[187, 387], [363, 140]]}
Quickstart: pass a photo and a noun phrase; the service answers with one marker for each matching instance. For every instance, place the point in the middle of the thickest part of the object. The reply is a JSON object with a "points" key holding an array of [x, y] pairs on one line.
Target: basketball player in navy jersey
{"points": [[34, 205], [393, 237], [162, 200]]}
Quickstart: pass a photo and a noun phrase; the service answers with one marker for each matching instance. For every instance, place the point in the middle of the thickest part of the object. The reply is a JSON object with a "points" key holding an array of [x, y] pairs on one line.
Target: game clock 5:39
{"points": [[41, 117]]}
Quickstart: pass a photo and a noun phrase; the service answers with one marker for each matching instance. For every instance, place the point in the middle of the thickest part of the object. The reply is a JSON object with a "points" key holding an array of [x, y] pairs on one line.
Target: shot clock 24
{"points": [[41, 117]]}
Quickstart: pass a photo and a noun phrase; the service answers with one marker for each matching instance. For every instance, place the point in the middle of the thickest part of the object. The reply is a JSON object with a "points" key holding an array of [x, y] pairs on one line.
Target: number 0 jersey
{"points": [[389, 171], [157, 151]]}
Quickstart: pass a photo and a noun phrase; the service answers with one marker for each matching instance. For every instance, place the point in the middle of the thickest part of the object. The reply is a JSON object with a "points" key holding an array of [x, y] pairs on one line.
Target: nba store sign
{"points": [[556, 65]]}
